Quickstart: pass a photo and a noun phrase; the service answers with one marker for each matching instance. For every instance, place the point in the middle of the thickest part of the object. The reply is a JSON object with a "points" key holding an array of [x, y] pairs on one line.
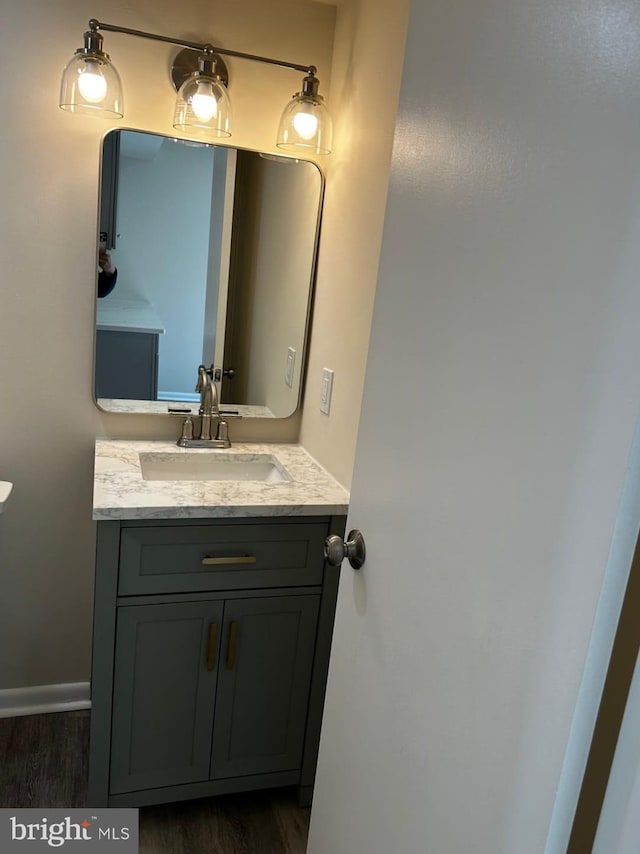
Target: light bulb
{"points": [[203, 102], [92, 84], [305, 125]]}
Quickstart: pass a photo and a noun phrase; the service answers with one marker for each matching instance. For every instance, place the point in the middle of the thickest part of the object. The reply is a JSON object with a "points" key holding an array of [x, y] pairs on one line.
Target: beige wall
{"points": [[279, 208], [365, 83], [49, 172]]}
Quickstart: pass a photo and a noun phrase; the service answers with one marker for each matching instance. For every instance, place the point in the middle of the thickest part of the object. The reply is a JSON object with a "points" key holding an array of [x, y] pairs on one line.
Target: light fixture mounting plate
{"points": [[186, 62]]}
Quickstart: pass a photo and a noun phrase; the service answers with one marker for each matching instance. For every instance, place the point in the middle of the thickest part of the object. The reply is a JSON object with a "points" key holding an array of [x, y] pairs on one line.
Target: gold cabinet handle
{"points": [[222, 561], [212, 645], [232, 646]]}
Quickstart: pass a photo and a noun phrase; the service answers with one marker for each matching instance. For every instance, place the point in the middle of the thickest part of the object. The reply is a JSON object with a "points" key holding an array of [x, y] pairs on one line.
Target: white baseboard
{"points": [[42, 699]]}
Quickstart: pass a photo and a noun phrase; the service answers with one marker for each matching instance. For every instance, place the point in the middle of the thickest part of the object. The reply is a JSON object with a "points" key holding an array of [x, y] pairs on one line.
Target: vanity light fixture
{"points": [[91, 85], [305, 122], [203, 105]]}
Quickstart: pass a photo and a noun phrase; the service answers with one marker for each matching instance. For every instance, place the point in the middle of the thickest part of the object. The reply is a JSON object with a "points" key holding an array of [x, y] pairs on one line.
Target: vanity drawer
{"points": [[179, 559]]}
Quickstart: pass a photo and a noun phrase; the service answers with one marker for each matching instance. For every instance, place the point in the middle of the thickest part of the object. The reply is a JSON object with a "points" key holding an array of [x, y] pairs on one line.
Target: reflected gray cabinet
{"points": [[211, 649], [109, 190], [126, 365]]}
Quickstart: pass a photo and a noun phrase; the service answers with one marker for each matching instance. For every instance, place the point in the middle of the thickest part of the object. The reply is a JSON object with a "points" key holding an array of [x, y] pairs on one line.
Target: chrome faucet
{"points": [[210, 418], [209, 408]]}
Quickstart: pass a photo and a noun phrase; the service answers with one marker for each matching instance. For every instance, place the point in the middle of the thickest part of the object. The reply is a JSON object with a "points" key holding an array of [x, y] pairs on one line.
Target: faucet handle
{"points": [[187, 432], [222, 433]]}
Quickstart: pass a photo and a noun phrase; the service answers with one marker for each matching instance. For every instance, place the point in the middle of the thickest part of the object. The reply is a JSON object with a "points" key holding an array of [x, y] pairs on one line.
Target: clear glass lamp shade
{"points": [[203, 107], [91, 85], [305, 126]]}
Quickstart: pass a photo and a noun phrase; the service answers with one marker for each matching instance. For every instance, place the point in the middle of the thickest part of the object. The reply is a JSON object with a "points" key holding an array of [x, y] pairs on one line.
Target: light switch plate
{"points": [[291, 364], [325, 391]]}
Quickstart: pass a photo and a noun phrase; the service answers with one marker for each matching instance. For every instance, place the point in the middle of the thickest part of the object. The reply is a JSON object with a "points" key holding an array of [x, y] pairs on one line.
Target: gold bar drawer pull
{"points": [[211, 647], [228, 561]]}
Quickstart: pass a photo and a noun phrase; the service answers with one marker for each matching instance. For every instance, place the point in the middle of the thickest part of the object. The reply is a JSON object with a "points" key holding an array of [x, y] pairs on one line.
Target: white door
{"points": [[500, 402]]}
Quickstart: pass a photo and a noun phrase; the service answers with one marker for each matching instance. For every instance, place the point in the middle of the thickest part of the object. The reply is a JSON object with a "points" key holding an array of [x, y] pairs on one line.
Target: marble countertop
{"points": [[127, 315], [161, 407], [120, 492]]}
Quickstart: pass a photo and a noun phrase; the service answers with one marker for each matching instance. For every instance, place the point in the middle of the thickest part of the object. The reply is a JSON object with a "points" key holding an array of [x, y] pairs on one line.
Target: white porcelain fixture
{"points": [[198, 466], [5, 492]]}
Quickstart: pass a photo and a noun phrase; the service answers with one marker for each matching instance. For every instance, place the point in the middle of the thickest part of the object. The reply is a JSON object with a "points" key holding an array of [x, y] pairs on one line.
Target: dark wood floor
{"points": [[43, 763]]}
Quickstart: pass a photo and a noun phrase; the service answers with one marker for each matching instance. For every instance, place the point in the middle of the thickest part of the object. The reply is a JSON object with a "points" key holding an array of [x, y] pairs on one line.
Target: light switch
{"points": [[326, 389], [291, 364]]}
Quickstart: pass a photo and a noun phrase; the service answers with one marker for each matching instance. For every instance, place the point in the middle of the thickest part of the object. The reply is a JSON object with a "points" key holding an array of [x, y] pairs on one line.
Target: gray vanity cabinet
{"points": [[162, 737], [210, 657], [263, 685]]}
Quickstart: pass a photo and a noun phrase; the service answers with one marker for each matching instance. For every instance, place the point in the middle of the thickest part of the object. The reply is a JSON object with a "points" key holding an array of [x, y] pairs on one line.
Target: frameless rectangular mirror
{"points": [[214, 250]]}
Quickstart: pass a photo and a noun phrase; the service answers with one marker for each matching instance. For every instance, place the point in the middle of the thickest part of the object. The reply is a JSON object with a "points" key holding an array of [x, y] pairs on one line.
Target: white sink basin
{"points": [[212, 465], [5, 492]]}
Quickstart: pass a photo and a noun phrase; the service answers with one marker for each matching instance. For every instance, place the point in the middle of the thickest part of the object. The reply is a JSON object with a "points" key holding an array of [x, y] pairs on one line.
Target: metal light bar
{"points": [[91, 85], [95, 25]]}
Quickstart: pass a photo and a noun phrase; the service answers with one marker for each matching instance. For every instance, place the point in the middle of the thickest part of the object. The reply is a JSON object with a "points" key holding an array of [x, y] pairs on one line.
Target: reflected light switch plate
{"points": [[291, 363], [325, 391]]}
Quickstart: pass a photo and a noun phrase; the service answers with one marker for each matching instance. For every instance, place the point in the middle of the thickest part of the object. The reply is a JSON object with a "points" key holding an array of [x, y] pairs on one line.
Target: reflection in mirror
{"points": [[214, 250]]}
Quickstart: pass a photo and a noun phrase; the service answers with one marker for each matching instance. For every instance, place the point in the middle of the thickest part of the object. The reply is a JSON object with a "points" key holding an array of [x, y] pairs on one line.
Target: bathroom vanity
{"points": [[127, 346], [214, 612]]}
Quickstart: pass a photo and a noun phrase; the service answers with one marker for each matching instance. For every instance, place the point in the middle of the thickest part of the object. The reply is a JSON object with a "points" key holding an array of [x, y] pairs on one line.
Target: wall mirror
{"points": [[215, 251]]}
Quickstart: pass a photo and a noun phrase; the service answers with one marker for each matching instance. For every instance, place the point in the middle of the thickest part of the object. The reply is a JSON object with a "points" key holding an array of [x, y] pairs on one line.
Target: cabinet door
{"points": [[263, 685], [126, 365], [166, 664], [109, 188]]}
